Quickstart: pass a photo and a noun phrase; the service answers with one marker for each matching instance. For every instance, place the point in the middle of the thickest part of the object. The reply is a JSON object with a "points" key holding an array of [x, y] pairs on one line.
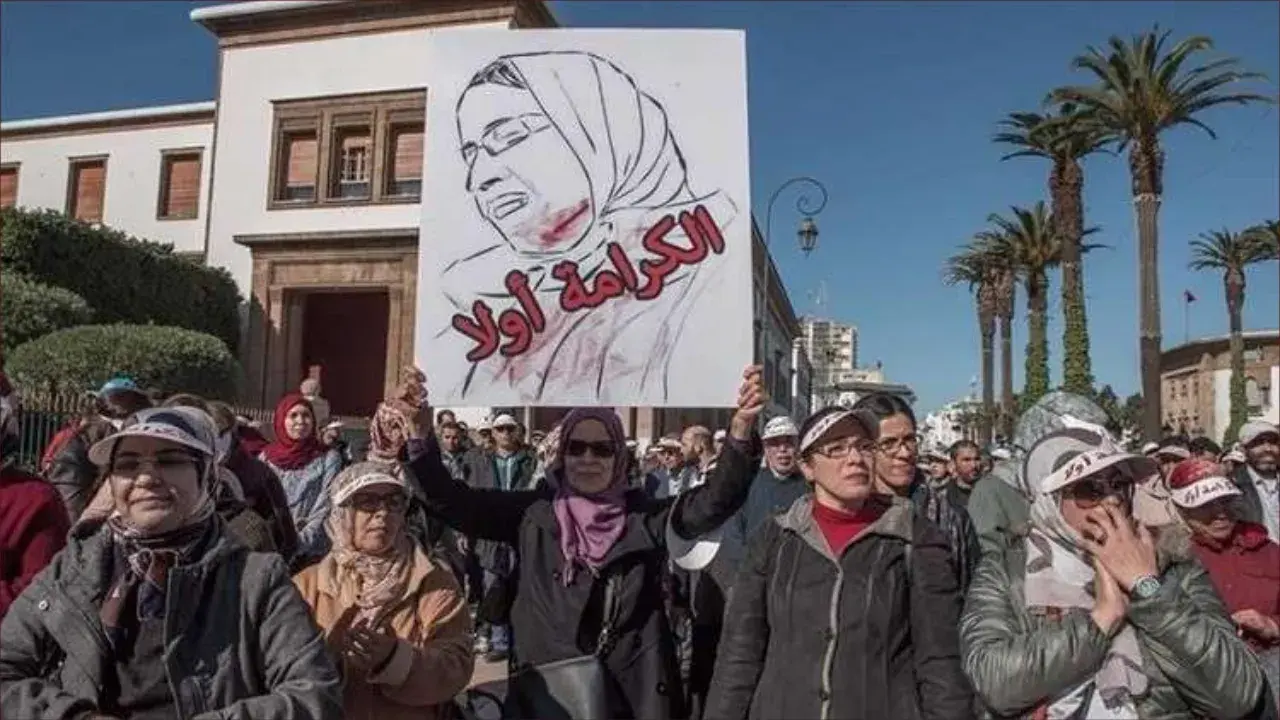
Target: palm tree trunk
{"points": [[1036, 377], [1239, 402], [988, 325], [1067, 190], [1145, 167], [1008, 413]]}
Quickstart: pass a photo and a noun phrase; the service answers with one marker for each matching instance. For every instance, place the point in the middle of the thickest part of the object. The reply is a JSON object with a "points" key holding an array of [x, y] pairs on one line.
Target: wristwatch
{"points": [[1145, 587]]}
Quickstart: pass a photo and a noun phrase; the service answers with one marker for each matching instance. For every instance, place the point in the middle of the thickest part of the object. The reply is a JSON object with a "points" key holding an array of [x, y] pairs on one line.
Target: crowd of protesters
{"points": [[168, 560]]}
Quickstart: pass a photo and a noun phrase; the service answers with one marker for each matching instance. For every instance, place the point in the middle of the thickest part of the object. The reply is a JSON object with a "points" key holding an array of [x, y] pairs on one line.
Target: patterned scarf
{"points": [[1059, 577], [141, 581], [369, 582]]}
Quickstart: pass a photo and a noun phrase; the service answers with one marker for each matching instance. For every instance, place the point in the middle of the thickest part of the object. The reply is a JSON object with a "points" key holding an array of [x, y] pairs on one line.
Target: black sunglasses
{"points": [[578, 448]]}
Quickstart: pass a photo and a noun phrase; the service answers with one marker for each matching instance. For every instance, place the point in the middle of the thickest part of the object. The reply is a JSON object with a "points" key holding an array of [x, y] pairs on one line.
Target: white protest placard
{"points": [[586, 228]]}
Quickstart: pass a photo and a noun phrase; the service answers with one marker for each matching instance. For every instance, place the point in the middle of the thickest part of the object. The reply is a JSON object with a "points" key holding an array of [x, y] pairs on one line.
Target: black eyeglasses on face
{"points": [[578, 448], [374, 503]]}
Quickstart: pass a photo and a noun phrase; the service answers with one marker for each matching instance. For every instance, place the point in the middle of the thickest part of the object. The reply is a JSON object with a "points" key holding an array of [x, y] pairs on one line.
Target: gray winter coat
{"points": [[241, 641], [1195, 664], [869, 634]]}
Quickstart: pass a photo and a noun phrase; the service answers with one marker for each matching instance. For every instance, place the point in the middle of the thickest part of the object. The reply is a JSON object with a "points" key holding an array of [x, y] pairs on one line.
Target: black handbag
{"points": [[578, 688]]}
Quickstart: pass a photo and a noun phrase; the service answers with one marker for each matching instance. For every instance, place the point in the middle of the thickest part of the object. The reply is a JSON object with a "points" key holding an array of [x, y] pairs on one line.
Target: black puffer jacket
{"points": [[872, 634], [552, 621]]}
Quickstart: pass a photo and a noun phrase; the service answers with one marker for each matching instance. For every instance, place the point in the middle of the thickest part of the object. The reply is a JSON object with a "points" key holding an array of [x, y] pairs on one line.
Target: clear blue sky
{"points": [[891, 105]]}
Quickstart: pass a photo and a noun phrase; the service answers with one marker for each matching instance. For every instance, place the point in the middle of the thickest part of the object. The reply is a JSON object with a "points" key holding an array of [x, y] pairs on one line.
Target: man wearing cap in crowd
{"points": [[331, 436], [1242, 561], [1258, 479], [1152, 505], [936, 468], [717, 440]]}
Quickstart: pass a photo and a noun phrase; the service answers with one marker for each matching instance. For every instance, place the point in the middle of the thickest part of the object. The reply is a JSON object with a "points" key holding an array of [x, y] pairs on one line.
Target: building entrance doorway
{"points": [[344, 335]]}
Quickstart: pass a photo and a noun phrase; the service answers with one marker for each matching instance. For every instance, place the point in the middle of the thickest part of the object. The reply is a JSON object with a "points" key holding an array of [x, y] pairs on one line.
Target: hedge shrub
{"points": [[123, 278], [168, 359], [29, 309]]}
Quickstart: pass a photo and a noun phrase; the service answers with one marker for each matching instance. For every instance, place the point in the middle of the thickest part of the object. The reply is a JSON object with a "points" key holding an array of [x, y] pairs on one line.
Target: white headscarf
{"points": [[1060, 575]]}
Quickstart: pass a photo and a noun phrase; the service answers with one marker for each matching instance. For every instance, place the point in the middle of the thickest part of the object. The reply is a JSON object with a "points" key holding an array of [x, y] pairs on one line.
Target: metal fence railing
{"points": [[45, 413]]}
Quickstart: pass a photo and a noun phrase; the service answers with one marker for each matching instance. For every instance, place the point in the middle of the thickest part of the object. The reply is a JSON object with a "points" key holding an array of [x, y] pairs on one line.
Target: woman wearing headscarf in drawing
{"points": [[567, 158]]}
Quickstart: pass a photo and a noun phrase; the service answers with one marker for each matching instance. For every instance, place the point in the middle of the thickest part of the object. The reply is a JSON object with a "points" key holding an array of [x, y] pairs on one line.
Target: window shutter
{"points": [[90, 184], [302, 161], [408, 154], [8, 187], [182, 194]]}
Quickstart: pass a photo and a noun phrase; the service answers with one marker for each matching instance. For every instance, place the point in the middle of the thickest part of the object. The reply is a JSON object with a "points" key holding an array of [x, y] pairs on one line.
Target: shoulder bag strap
{"points": [[609, 615]]}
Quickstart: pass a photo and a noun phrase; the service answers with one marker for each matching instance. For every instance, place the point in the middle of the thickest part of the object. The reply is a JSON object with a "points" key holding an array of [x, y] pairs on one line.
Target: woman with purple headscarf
{"points": [[585, 528]]}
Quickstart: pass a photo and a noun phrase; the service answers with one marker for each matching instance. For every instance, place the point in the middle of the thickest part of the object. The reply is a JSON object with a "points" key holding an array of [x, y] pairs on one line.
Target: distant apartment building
{"points": [[302, 177], [1195, 382], [833, 350]]}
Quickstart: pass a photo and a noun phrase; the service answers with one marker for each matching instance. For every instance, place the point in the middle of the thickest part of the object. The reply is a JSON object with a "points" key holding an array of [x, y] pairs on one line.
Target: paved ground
{"points": [[487, 672]]}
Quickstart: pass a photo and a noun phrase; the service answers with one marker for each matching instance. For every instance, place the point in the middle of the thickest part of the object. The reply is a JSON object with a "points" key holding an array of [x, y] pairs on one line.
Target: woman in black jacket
{"points": [[847, 605], [585, 525]]}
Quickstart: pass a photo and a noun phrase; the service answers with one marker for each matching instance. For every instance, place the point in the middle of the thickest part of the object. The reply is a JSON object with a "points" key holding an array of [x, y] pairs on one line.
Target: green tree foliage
{"points": [[168, 359], [29, 309], [123, 278]]}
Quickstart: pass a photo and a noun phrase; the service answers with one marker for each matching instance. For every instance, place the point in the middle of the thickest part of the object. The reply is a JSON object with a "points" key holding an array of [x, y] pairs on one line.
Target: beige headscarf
{"points": [[366, 581]]}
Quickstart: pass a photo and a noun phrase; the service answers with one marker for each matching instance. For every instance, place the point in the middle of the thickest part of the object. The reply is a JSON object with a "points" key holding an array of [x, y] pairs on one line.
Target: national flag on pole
{"points": [[1188, 297]]}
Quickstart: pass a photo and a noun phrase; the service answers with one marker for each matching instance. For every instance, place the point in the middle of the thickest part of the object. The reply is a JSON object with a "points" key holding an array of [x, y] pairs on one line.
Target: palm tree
{"points": [[1006, 302], [1029, 244], [1231, 253], [971, 267], [1063, 136], [1268, 234], [1143, 91]]}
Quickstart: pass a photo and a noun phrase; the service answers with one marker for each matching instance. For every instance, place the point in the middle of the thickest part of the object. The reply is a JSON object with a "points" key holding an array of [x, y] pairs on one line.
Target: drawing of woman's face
{"points": [[525, 179]]}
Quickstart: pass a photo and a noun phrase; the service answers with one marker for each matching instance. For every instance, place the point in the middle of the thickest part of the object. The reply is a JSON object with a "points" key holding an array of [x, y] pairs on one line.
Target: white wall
{"points": [[133, 177], [254, 77]]}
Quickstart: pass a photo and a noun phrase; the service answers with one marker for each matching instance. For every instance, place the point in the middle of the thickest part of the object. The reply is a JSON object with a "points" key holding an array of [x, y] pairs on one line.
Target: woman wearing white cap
{"points": [[847, 604], [155, 612], [1242, 561], [395, 619], [1090, 617]]}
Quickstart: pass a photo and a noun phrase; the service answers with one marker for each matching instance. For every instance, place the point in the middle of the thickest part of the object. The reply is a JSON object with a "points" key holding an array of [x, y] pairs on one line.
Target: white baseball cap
{"points": [[781, 426], [1068, 456], [363, 475], [504, 420], [1255, 429], [186, 426], [719, 435]]}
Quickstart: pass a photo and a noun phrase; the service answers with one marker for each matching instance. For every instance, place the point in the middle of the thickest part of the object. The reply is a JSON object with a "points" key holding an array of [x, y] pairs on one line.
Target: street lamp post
{"points": [[807, 234]]}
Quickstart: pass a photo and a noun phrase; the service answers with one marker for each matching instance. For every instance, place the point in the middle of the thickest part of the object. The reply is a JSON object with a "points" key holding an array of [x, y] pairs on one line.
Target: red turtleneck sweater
{"points": [[839, 527]]}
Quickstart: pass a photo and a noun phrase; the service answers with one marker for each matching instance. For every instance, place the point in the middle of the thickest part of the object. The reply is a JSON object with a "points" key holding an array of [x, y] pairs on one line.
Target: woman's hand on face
{"points": [[751, 400], [368, 647], [1252, 622], [1125, 548], [1110, 603]]}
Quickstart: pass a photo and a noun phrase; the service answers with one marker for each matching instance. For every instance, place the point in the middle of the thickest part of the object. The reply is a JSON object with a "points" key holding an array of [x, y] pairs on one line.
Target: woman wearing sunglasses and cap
{"points": [[1092, 617], [591, 556], [395, 620], [847, 604], [155, 612]]}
